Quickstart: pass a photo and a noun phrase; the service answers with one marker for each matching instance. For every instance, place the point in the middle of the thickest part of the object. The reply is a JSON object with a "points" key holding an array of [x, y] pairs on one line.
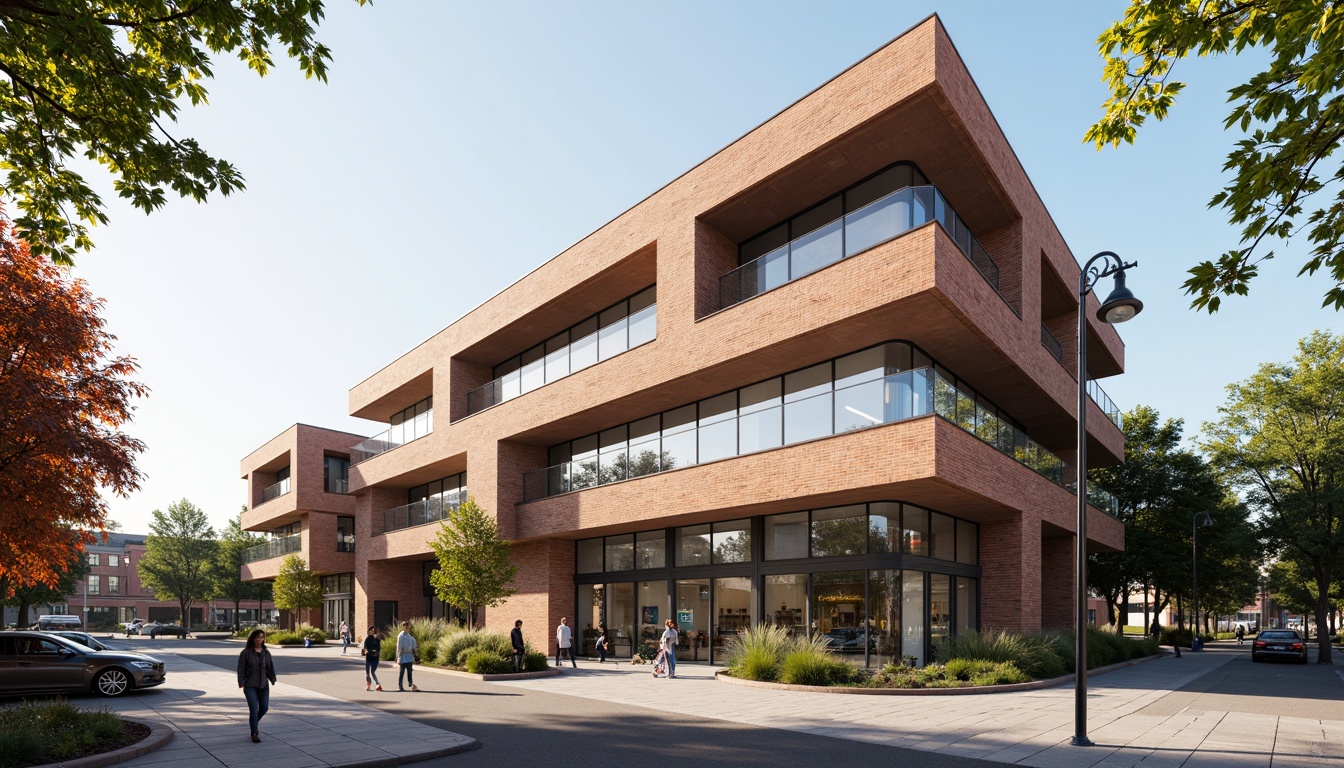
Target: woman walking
{"points": [[406, 646], [373, 648], [669, 644], [603, 644], [256, 675], [345, 637]]}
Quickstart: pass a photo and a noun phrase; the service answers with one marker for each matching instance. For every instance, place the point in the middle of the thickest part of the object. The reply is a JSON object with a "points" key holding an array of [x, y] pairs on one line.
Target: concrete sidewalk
{"points": [[1026, 728], [304, 729]]}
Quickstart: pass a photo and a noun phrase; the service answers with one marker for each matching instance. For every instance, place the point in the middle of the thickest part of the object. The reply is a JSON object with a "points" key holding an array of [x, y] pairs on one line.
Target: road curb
{"points": [[382, 762], [965, 691], [159, 736], [551, 672]]}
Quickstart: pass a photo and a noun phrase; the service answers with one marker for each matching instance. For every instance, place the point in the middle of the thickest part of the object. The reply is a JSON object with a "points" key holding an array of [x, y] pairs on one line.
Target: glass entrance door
{"points": [[692, 609]]}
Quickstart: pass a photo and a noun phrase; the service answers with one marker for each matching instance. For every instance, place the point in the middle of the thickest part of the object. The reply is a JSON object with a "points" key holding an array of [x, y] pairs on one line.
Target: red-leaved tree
{"points": [[63, 400]]}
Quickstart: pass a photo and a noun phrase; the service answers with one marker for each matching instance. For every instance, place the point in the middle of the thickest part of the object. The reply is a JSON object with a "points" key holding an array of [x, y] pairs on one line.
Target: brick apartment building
{"points": [[824, 379], [112, 594]]}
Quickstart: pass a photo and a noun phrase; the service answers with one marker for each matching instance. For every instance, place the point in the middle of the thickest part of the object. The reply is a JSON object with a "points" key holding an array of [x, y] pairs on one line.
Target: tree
{"points": [[296, 588], [104, 80], [1280, 441], [63, 400], [179, 557], [227, 569], [1160, 488], [474, 569], [1293, 111], [74, 569]]}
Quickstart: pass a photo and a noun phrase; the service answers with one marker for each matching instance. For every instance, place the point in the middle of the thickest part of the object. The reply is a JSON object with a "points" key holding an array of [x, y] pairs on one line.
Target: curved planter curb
{"points": [[159, 736], [551, 672], [965, 691]]}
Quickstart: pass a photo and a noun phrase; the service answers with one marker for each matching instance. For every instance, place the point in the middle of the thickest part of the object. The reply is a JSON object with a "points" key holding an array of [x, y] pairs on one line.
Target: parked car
{"points": [[52, 622], [159, 630], [1279, 644], [40, 662], [142, 629], [132, 627], [83, 638]]}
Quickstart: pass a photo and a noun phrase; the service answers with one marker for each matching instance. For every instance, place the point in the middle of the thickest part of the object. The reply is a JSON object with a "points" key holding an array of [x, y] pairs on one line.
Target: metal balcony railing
{"points": [[420, 512], [1104, 402], [338, 485], [857, 231], [275, 491], [1052, 344], [276, 547]]}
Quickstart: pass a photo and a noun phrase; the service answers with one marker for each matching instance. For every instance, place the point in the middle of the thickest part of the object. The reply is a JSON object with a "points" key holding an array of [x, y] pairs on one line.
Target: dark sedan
{"points": [[159, 630], [38, 662], [1279, 644], [83, 638]]}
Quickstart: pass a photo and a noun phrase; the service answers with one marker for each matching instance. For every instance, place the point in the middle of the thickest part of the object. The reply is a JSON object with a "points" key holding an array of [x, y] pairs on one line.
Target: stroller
{"points": [[660, 663]]}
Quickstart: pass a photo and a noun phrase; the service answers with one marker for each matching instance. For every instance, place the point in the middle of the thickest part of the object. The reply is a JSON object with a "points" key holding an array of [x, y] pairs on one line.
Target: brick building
{"points": [[824, 379], [112, 594]]}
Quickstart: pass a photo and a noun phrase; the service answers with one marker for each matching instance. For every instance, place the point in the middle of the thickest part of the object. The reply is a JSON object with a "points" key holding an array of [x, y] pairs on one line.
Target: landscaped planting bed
{"points": [[38, 732]]}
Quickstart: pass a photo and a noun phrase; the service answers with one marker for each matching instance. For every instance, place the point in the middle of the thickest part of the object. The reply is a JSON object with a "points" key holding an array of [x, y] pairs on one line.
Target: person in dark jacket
{"points": [[519, 647], [256, 675], [373, 648]]}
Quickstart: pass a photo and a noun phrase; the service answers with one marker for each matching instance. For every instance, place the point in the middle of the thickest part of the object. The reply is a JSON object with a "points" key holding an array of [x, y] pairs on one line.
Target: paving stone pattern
{"points": [[304, 729], [1031, 728]]}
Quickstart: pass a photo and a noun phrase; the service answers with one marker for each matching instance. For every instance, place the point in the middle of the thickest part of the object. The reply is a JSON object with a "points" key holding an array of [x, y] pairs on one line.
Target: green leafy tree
{"points": [[105, 80], [1284, 179], [1159, 488], [40, 593], [296, 588], [180, 552], [474, 569], [228, 566], [1280, 441], [1294, 591]]}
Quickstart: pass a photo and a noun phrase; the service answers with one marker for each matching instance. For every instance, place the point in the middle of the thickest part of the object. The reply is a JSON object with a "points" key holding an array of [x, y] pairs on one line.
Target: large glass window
{"points": [[652, 596], [807, 404], [590, 556], [968, 542], [734, 611], [718, 427], [624, 325], [692, 619], [786, 536], [621, 616], [732, 541], [693, 545], [884, 612], [839, 531], [589, 615], [940, 609], [839, 610], [915, 539], [968, 618], [786, 602], [912, 617], [620, 551], [942, 539], [884, 527], [760, 416], [650, 549]]}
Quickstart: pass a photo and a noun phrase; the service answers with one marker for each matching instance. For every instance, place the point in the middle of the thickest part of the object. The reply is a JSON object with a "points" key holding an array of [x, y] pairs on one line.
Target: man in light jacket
{"points": [[406, 646], [564, 640]]}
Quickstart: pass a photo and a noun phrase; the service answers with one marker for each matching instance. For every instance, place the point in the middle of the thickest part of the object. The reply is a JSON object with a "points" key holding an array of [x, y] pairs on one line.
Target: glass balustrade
{"points": [[851, 234], [1052, 344], [430, 510], [1103, 402], [277, 547], [411, 424], [747, 421], [615, 332], [274, 491]]}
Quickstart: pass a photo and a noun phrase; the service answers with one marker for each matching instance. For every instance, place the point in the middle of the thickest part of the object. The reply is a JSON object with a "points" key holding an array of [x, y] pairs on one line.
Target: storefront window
{"points": [[589, 615], [968, 542], [940, 609], [942, 539], [692, 609], [620, 552], [786, 536], [968, 619], [734, 612], [786, 602], [652, 613], [732, 541], [912, 617], [839, 612], [590, 556], [620, 615], [693, 545], [839, 531], [884, 527], [884, 613], [915, 540], [651, 549]]}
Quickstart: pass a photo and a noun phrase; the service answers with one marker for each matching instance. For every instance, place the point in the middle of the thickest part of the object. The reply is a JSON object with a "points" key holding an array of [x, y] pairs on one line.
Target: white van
{"points": [[50, 622]]}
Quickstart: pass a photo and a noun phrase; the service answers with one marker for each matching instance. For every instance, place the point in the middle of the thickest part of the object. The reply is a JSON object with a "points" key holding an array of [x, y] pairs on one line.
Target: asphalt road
{"points": [[529, 728], [1268, 688]]}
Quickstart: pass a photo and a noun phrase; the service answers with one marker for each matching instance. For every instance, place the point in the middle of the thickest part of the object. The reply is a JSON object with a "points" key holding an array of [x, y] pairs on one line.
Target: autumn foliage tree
{"points": [[64, 397]]}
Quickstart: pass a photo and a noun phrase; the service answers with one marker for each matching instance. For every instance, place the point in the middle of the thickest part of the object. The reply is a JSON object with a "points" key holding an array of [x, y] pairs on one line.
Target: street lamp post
{"points": [[1195, 525], [1118, 307]]}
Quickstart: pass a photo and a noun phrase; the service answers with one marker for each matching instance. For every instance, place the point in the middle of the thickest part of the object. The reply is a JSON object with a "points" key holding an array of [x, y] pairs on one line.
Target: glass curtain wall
{"points": [[692, 609]]}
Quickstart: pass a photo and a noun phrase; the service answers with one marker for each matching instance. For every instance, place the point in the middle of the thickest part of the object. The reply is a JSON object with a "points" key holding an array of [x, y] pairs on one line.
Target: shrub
{"points": [[43, 731], [535, 661], [429, 634], [808, 666], [1003, 673], [1036, 655], [756, 653], [486, 663]]}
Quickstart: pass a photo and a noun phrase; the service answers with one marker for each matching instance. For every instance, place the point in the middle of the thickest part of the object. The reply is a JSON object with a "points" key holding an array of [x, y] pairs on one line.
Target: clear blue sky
{"points": [[460, 145]]}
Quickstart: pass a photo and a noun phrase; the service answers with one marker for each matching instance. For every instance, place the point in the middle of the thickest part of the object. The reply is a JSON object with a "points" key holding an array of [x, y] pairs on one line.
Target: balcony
{"points": [[883, 400], [345, 543], [1103, 402], [635, 326], [422, 512], [275, 491], [867, 227], [276, 547], [1052, 344], [337, 485], [395, 436]]}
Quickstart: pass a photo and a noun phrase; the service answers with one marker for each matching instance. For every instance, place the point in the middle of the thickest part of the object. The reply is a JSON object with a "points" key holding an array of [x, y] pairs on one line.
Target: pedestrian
{"points": [[345, 637], [670, 647], [603, 644], [519, 647], [256, 675], [372, 652], [406, 654], [1241, 633], [564, 640]]}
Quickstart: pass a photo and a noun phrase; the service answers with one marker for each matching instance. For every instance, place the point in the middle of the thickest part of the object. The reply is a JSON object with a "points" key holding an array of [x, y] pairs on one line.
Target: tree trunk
{"points": [[23, 616], [1149, 601], [1180, 614], [1322, 608], [1124, 612]]}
